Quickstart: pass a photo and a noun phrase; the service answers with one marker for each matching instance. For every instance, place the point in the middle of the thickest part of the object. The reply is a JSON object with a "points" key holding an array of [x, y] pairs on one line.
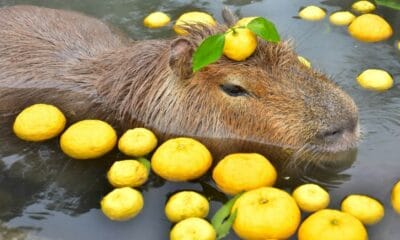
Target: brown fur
{"points": [[79, 64]]}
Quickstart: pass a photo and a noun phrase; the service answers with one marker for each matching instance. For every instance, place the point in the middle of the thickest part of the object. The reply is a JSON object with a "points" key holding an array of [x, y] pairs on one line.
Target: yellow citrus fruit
{"points": [[304, 61], [156, 20], [328, 224], [240, 43], [266, 213], [181, 159], [363, 6], [39, 122], [244, 21], [370, 28], [311, 197], [193, 229], [186, 204], [122, 204], [375, 79], [127, 173], [395, 199], [341, 18], [242, 172], [192, 18], [88, 139], [368, 210], [137, 142], [312, 13]]}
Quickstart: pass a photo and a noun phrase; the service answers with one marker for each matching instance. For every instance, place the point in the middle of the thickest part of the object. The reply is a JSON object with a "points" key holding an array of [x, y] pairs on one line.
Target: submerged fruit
{"points": [[137, 142], [368, 210], [88, 139], [375, 79], [363, 6], [341, 18], [266, 213], [331, 224], [193, 229], [240, 43], [311, 197], [242, 172], [39, 122], [122, 204], [186, 204], [192, 18], [312, 13], [181, 159], [156, 20], [127, 173], [370, 28]]}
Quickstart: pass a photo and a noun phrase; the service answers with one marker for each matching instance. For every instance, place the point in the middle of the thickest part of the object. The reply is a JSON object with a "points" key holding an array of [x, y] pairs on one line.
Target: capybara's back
{"points": [[270, 103], [38, 46]]}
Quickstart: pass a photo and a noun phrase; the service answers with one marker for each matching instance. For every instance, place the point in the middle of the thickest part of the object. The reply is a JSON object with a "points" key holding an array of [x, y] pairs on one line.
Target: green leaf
{"points": [[209, 51], [226, 226], [395, 4], [145, 162], [223, 219], [264, 29]]}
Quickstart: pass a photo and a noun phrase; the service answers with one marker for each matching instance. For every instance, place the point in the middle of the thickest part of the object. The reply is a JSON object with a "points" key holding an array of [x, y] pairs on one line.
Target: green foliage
{"points": [[211, 49], [145, 162], [264, 29], [223, 218], [395, 4]]}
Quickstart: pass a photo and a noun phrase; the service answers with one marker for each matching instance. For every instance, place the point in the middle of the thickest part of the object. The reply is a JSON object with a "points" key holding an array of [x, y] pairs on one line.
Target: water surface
{"points": [[45, 195]]}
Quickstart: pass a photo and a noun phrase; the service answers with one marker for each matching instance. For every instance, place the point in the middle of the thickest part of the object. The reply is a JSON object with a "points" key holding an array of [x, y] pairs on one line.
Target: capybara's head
{"points": [[271, 99]]}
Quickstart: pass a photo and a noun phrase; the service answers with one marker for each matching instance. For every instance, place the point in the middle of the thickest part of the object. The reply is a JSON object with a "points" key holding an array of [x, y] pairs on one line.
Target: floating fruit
{"points": [[368, 210], [122, 204], [137, 142], [242, 172], [156, 20], [181, 159], [88, 139], [370, 28], [375, 79], [266, 213], [311, 197], [341, 18], [186, 204], [331, 224], [39, 122], [312, 13], [192, 18], [127, 173]]}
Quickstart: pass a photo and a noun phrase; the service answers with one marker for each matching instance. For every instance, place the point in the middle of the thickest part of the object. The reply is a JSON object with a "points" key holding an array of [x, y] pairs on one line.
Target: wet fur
{"points": [[87, 69]]}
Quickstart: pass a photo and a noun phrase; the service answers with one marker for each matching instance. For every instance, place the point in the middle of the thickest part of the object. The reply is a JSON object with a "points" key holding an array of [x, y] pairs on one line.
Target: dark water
{"points": [[45, 195]]}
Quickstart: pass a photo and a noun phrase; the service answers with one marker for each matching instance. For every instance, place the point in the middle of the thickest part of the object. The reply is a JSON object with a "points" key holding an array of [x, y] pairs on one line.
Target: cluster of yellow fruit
{"points": [[367, 28], [160, 19], [240, 42], [261, 212]]}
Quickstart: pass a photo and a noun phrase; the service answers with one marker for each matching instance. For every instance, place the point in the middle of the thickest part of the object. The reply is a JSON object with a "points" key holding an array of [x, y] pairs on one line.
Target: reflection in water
{"points": [[43, 193]]}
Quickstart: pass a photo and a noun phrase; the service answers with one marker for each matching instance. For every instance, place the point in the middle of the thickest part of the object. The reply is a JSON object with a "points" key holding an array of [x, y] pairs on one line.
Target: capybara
{"points": [[270, 103]]}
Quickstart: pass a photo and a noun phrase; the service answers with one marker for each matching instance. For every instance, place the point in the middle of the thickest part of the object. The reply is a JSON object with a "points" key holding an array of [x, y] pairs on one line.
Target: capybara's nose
{"points": [[338, 130]]}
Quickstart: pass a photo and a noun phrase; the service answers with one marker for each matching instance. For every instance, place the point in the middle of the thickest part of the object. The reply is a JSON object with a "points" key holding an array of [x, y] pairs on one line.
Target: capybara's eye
{"points": [[233, 90]]}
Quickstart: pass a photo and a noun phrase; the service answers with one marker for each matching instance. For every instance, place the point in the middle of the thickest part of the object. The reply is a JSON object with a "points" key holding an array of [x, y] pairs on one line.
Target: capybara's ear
{"points": [[180, 58], [229, 17]]}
